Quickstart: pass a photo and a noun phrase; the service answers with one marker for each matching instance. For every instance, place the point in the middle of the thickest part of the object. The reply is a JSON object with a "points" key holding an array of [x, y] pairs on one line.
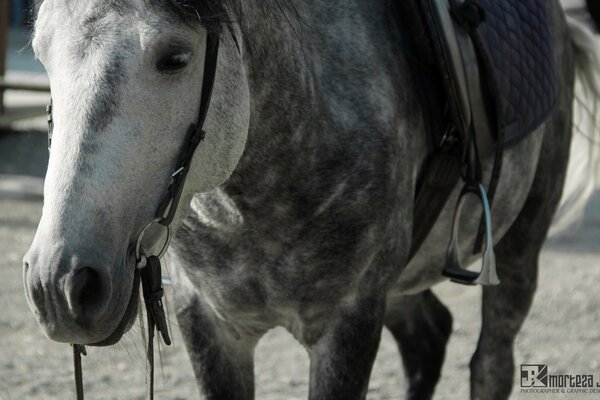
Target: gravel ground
{"points": [[562, 330]]}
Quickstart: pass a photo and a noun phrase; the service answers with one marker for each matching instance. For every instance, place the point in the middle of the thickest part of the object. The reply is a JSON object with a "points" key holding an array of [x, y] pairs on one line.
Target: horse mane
{"points": [[210, 13]]}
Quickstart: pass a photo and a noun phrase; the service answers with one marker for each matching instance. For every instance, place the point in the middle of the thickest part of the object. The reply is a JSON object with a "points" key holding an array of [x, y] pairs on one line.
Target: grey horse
{"points": [[298, 208]]}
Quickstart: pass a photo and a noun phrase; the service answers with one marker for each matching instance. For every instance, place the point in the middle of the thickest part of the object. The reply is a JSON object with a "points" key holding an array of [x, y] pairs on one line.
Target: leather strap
{"points": [[150, 362], [487, 67], [195, 134], [50, 123], [453, 25], [442, 173], [445, 167], [78, 350], [477, 103], [155, 314]]}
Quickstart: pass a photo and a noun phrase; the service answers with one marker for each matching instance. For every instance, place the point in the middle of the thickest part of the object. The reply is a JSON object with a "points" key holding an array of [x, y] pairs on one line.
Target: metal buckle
{"points": [[453, 268], [50, 124], [140, 258]]}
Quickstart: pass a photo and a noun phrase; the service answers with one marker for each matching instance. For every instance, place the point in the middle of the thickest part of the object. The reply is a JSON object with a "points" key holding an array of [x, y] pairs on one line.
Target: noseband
{"points": [[149, 265]]}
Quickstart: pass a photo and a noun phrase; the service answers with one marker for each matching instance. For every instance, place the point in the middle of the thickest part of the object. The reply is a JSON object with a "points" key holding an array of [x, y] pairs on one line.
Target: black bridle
{"points": [[149, 266]]}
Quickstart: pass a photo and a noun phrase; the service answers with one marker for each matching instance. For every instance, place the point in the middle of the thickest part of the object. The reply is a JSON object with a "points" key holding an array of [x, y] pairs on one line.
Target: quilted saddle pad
{"points": [[516, 59], [517, 38]]}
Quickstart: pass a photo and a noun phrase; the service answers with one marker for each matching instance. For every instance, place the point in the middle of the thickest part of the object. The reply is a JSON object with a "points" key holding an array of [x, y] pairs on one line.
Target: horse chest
{"points": [[272, 271]]}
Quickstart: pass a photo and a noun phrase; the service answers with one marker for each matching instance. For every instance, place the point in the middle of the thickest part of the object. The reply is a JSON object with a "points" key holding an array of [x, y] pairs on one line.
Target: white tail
{"points": [[584, 162]]}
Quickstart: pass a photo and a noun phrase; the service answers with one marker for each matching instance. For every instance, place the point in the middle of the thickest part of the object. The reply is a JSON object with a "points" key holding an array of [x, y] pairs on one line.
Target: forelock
{"points": [[210, 13]]}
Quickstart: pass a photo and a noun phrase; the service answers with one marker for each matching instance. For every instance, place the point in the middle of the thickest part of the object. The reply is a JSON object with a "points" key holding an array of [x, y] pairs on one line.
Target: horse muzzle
{"points": [[77, 298]]}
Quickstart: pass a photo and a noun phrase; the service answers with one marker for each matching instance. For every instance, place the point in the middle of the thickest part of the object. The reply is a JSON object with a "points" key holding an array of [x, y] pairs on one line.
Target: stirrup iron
{"points": [[454, 269]]}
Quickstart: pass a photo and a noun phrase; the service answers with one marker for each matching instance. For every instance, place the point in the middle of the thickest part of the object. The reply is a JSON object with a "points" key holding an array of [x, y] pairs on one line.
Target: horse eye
{"points": [[173, 63]]}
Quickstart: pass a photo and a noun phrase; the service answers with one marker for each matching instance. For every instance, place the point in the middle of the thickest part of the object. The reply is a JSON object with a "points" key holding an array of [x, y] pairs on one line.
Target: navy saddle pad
{"points": [[517, 37], [514, 53]]}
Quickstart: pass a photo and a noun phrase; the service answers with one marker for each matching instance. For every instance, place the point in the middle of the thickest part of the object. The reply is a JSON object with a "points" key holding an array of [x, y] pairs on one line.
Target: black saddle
{"points": [[495, 79]]}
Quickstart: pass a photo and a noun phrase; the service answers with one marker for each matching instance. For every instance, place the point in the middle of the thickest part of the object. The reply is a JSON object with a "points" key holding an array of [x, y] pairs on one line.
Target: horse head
{"points": [[126, 80]]}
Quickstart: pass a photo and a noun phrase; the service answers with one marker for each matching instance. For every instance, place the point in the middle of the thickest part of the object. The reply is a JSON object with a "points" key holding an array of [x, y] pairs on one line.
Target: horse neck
{"points": [[298, 117], [282, 98], [280, 77]]}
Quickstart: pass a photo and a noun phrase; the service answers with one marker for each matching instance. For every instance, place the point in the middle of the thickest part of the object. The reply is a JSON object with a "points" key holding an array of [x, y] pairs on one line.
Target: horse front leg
{"points": [[342, 358], [223, 361], [421, 325]]}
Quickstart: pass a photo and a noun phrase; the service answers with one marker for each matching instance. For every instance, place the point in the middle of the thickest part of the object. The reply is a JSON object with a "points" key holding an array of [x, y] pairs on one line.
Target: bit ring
{"points": [[140, 258]]}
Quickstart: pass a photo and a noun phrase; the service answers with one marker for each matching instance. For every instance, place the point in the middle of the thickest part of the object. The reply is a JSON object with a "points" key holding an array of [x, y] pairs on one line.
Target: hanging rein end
{"points": [[78, 351], [153, 292]]}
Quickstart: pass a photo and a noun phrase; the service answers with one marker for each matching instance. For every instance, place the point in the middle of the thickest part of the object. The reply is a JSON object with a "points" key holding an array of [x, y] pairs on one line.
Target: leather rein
{"points": [[149, 266]]}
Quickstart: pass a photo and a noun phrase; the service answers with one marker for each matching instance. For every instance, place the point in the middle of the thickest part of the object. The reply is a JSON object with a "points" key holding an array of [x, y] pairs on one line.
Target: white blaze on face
{"points": [[126, 84], [119, 120]]}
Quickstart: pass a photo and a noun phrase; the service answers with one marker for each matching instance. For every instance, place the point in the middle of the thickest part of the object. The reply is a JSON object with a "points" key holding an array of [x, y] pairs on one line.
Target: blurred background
{"points": [[24, 92], [561, 331]]}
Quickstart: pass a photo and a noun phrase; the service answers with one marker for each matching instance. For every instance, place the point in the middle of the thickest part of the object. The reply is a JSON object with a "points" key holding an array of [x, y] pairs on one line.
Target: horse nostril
{"points": [[86, 293], [34, 292]]}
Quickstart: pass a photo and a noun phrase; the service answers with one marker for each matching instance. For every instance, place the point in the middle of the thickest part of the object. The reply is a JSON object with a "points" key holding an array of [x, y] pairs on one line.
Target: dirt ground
{"points": [[562, 330]]}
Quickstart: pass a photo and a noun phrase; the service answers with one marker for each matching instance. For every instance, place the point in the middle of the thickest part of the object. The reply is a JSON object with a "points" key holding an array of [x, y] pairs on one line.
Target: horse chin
{"points": [[128, 319]]}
